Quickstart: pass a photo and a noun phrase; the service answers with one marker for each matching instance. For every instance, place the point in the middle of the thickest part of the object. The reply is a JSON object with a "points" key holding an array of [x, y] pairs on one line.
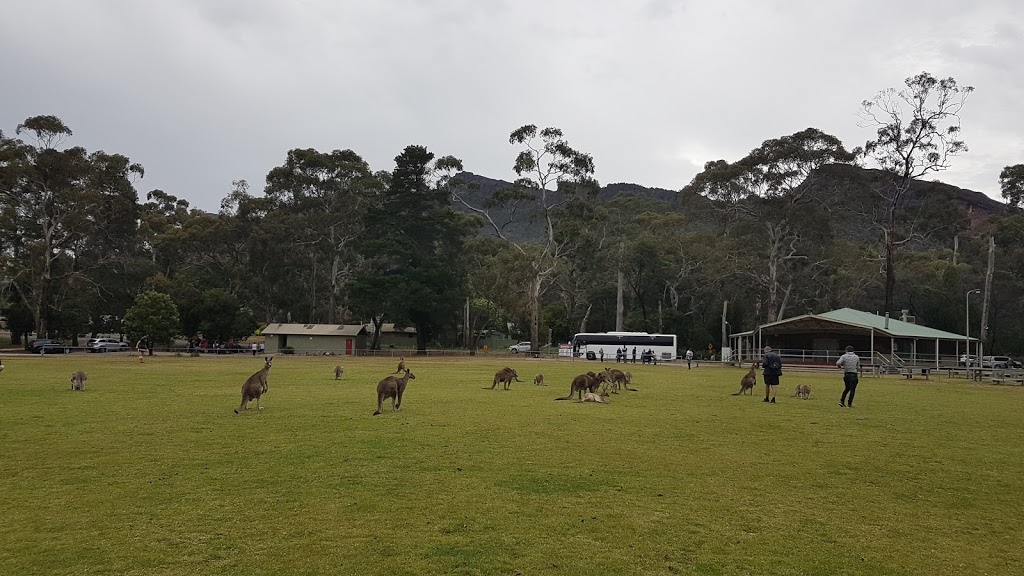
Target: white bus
{"points": [[589, 345]]}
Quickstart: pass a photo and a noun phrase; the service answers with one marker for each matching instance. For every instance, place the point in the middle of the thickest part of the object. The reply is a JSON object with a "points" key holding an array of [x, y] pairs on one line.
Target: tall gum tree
{"points": [[550, 174], [768, 190], [917, 132]]}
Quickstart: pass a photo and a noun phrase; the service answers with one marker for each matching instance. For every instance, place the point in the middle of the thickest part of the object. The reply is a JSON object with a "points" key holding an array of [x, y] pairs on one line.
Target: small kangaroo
{"points": [[338, 371], [589, 382], [505, 376], [393, 388], [538, 380], [629, 377], [748, 382], [255, 386], [803, 391], [401, 365], [78, 380]]}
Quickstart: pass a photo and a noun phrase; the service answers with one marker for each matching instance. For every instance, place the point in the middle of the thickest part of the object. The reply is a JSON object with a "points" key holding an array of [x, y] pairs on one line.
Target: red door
{"points": [[348, 346]]}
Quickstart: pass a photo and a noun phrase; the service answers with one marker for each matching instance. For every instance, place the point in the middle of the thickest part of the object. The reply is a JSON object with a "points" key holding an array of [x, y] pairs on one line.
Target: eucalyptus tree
{"points": [[768, 197], [917, 132], [69, 210], [551, 174], [1011, 183], [326, 196]]}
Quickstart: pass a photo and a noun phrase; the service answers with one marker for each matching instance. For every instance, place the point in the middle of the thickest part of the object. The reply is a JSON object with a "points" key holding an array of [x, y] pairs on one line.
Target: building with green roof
{"points": [[879, 340]]}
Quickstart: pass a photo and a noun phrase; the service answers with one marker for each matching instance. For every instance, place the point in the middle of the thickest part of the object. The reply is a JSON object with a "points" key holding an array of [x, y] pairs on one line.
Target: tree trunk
{"points": [[988, 288], [332, 313], [378, 321], [535, 314], [620, 307], [586, 317], [890, 269]]}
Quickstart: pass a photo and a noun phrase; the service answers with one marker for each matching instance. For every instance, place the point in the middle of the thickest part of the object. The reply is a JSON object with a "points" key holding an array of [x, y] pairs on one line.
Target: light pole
{"points": [[967, 309]]}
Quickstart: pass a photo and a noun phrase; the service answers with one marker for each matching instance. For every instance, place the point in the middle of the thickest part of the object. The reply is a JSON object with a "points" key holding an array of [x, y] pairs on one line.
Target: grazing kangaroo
{"points": [[401, 365], [78, 380], [338, 371], [589, 382], [393, 388], [591, 397], [803, 391], [255, 386], [629, 377], [538, 380], [505, 376], [617, 378], [748, 382]]}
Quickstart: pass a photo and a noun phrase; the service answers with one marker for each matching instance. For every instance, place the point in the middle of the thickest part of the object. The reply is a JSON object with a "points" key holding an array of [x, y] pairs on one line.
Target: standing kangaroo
{"points": [[401, 365], [78, 380], [589, 382], [255, 386], [748, 382], [393, 388], [505, 376], [338, 371], [617, 378]]}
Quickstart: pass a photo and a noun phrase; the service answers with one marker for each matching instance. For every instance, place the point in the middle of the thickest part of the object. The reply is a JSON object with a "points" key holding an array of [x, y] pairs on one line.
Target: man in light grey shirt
{"points": [[850, 364]]}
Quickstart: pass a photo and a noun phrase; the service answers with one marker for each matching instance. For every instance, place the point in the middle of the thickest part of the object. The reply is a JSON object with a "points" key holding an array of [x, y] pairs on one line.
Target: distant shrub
{"points": [[287, 350]]}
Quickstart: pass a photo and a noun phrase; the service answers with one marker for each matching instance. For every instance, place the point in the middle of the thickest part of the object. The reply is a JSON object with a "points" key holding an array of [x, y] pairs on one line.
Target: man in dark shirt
{"points": [[772, 370]]}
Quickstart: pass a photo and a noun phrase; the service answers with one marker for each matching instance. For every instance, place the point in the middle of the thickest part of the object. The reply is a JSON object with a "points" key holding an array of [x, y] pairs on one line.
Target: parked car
{"points": [[520, 347], [105, 345], [995, 361], [968, 360], [47, 346]]}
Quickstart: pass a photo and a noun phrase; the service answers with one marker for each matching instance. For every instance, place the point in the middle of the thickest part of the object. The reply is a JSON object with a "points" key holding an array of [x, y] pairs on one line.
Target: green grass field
{"points": [[150, 472]]}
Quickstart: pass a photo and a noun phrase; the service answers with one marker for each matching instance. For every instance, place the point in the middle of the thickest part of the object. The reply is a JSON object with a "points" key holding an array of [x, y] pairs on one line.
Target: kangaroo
{"points": [[505, 376], [338, 371], [617, 378], [255, 386], [78, 380], [803, 391], [393, 388], [589, 382], [401, 365], [748, 382], [1, 365], [538, 380], [629, 377], [591, 397]]}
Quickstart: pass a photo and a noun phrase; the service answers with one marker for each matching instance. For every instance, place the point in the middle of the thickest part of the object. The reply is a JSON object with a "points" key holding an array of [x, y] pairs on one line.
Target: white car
{"points": [[521, 347], [105, 345]]}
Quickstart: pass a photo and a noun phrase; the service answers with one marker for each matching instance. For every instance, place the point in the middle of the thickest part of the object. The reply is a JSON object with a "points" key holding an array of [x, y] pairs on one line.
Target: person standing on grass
{"points": [[689, 358], [772, 370], [140, 346], [634, 354], [850, 364], [601, 354]]}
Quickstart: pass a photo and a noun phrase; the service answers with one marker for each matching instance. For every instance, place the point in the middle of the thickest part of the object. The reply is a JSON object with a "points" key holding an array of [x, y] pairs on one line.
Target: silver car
{"points": [[105, 345]]}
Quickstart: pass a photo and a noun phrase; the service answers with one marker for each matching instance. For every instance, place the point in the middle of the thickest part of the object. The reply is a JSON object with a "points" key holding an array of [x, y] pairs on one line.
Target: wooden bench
{"points": [[908, 372], [1008, 375]]}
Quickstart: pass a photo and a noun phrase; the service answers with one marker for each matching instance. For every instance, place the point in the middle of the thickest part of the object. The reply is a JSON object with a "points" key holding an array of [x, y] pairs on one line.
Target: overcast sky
{"points": [[203, 92]]}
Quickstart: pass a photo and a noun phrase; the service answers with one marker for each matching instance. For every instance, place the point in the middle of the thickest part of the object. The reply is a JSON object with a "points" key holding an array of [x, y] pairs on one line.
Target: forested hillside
{"points": [[797, 226]]}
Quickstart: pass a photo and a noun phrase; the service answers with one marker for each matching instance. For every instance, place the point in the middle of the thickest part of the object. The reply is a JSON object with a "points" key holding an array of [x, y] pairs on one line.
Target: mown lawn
{"points": [[150, 472]]}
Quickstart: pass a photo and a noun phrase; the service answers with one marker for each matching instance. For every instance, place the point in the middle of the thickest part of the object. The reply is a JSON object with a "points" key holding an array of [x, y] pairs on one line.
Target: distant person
{"points": [[689, 358], [255, 348], [850, 364], [140, 347], [263, 348], [618, 355], [634, 354], [772, 370], [600, 353]]}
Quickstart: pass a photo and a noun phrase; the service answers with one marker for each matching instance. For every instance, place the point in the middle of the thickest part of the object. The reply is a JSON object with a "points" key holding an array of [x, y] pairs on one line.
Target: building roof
{"points": [[849, 318], [390, 327], [315, 329]]}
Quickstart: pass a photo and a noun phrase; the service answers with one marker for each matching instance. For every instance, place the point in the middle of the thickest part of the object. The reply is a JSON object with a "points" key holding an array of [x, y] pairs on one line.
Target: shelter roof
{"points": [[315, 329], [850, 320]]}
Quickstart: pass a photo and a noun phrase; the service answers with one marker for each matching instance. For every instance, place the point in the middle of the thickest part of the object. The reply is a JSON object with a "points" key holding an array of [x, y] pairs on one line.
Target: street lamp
{"points": [[967, 333]]}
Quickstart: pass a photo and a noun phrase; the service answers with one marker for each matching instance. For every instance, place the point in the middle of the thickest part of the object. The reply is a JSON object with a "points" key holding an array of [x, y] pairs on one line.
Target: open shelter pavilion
{"points": [[879, 340]]}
